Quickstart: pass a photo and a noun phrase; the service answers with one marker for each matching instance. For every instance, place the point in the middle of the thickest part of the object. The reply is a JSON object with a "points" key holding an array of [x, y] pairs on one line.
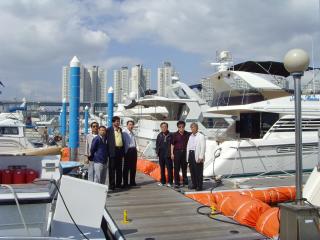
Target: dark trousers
{"points": [[196, 171], [130, 166], [115, 168], [165, 161], [180, 162]]}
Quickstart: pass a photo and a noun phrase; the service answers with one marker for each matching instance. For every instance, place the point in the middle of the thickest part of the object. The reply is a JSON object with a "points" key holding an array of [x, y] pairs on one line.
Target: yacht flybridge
{"points": [[182, 104]]}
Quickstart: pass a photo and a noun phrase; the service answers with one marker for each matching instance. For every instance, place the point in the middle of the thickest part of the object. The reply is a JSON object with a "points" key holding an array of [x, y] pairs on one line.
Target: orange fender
{"points": [[65, 154], [269, 223], [203, 198], [146, 166], [250, 211]]}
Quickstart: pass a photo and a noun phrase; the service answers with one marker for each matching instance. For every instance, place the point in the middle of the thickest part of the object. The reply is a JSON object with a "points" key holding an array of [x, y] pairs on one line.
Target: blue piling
{"points": [[74, 108], [110, 106]]}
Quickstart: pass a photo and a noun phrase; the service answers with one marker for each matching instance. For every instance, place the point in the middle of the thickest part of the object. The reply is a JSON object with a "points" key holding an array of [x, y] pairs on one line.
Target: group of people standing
{"points": [[115, 150], [112, 149], [177, 150]]}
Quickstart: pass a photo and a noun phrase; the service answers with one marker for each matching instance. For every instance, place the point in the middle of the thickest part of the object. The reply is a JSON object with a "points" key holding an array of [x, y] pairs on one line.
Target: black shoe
{"points": [[133, 184], [112, 188], [176, 186], [192, 187], [118, 186], [199, 189], [125, 186]]}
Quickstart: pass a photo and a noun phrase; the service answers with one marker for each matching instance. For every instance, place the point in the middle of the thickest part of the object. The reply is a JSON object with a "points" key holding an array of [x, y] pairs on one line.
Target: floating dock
{"points": [[157, 212]]}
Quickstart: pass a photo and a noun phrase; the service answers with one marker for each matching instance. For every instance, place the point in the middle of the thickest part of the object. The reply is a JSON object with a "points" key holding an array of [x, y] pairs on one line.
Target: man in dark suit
{"points": [[115, 144]]}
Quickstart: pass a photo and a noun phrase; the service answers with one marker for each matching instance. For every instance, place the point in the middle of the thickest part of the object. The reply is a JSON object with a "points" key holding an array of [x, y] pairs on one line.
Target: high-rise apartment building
{"points": [[65, 82], [165, 74], [139, 81], [147, 76], [121, 84], [93, 84]]}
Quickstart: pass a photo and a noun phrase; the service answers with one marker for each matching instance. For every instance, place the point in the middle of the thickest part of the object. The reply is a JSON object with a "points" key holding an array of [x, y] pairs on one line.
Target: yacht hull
{"points": [[258, 156]]}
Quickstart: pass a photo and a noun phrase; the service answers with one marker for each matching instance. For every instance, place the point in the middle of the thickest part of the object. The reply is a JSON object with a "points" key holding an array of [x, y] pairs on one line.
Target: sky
{"points": [[38, 37]]}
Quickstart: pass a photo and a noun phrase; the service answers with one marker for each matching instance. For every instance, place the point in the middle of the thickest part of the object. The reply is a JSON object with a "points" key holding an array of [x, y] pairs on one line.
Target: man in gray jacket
{"points": [[94, 132]]}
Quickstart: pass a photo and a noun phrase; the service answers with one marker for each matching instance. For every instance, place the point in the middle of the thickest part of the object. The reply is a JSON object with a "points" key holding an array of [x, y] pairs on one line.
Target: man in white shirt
{"points": [[130, 157], [94, 132], [196, 149]]}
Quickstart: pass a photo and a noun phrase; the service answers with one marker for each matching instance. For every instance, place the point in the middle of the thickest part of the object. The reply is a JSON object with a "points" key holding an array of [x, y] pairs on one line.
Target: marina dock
{"points": [[156, 212]]}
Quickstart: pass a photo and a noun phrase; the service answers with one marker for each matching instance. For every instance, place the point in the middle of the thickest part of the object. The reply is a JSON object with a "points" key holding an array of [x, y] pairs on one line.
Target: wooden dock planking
{"points": [[161, 213]]}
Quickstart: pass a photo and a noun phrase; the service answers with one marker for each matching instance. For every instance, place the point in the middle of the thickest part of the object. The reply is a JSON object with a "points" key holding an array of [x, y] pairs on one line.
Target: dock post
{"points": [[110, 106], [64, 122], [86, 120], [74, 108]]}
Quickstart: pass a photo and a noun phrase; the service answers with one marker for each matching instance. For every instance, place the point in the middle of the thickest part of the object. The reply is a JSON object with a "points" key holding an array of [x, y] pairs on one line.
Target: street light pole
{"points": [[296, 217], [298, 135], [296, 62]]}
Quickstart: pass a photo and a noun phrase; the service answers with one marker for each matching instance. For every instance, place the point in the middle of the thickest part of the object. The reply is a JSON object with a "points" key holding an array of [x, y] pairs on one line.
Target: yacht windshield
{"points": [[9, 131], [210, 122]]}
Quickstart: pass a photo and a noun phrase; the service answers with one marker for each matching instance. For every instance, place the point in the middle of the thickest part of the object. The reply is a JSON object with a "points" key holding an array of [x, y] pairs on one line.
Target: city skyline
{"points": [[44, 35]]}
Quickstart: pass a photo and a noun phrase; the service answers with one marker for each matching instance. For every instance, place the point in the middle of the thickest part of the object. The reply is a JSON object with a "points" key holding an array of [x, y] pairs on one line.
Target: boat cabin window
{"points": [[210, 122], [9, 131], [181, 93], [255, 125]]}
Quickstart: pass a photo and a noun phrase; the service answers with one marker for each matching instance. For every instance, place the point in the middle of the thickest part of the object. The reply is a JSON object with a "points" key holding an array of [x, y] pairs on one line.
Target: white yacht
{"points": [[13, 139], [265, 140], [182, 104]]}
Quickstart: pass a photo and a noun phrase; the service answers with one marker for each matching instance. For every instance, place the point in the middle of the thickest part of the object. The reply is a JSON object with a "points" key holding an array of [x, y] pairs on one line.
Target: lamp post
{"points": [[296, 62]]}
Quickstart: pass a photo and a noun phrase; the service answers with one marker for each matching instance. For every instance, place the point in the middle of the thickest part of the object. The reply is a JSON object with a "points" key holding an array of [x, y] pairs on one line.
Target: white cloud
{"points": [[251, 29], [40, 36]]}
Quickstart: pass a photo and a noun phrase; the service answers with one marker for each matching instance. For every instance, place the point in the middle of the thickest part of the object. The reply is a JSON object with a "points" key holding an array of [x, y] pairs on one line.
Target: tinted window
{"points": [[9, 130]]}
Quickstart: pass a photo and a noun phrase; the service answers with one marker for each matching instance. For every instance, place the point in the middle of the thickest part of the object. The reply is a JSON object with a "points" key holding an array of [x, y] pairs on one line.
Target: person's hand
{"points": [[86, 160], [172, 156], [201, 160]]}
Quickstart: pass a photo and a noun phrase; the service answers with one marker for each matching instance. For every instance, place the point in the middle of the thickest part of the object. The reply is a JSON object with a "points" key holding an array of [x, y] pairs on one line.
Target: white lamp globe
{"points": [[100, 115], [296, 60]]}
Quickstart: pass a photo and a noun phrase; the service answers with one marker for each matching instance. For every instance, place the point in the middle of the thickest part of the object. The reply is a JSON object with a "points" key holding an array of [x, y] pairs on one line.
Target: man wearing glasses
{"points": [[179, 153], [94, 132]]}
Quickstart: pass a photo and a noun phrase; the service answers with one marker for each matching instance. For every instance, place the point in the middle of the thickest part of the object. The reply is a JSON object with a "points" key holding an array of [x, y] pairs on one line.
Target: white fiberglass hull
{"points": [[255, 156]]}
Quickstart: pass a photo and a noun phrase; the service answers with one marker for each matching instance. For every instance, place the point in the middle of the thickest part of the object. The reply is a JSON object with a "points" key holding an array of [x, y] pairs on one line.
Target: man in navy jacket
{"points": [[99, 154]]}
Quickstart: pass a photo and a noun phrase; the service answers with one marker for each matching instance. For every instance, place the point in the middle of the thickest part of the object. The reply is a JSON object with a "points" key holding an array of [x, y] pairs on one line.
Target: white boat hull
{"points": [[255, 156]]}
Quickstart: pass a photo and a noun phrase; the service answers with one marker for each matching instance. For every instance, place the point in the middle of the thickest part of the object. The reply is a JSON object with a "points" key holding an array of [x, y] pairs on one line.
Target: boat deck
{"points": [[157, 212]]}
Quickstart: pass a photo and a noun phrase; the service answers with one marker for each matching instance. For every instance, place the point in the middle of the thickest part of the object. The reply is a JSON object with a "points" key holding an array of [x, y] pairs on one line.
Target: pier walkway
{"points": [[157, 212]]}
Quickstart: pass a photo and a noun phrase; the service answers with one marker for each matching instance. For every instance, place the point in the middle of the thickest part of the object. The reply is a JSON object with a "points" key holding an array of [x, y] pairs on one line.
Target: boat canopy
{"points": [[265, 67]]}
